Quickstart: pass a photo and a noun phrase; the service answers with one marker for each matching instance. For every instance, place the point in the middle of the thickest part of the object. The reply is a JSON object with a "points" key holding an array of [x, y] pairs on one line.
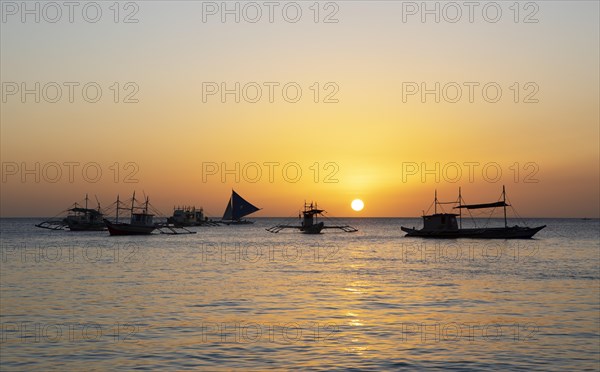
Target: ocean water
{"points": [[241, 298]]}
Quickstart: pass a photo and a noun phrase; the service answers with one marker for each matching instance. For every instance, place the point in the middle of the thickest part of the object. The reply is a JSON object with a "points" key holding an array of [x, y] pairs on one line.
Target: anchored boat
{"points": [[309, 223], [185, 216], [140, 222], [236, 209], [79, 218], [445, 225], [85, 219]]}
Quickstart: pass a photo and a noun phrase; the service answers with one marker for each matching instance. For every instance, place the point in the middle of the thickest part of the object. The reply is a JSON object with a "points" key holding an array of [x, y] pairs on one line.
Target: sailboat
{"points": [[445, 225], [236, 209], [309, 223], [140, 222]]}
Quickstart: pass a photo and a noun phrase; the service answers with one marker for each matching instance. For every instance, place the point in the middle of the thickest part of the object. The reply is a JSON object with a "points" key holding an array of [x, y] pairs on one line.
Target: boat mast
{"points": [[504, 200], [435, 203], [118, 203], [86, 200], [132, 204], [459, 208]]}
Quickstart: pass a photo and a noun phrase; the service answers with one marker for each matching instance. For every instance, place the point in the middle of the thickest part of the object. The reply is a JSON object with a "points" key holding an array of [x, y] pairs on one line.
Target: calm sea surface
{"points": [[241, 298]]}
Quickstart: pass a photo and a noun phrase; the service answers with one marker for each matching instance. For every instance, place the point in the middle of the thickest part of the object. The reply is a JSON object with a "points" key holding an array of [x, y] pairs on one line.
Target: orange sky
{"points": [[374, 140]]}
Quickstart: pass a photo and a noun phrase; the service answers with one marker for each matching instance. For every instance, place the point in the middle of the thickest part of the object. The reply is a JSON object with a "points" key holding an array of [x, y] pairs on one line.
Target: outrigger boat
{"points": [[309, 223], [445, 226], [140, 222], [79, 218], [186, 216], [236, 209]]}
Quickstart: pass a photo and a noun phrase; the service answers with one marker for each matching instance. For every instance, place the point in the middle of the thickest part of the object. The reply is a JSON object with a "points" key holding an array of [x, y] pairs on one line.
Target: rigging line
{"points": [[450, 202], [516, 213], [292, 218], [285, 221], [156, 211], [493, 210], [430, 205], [470, 214], [326, 217], [328, 214], [329, 219], [489, 217], [82, 203], [111, 207], [57, 215]]}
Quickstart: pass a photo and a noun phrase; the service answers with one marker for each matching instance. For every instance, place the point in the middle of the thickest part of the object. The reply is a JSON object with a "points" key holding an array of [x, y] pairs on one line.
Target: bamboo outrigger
{"points": [[141, 222], [309, 222], [79, 218], [445, 226]]}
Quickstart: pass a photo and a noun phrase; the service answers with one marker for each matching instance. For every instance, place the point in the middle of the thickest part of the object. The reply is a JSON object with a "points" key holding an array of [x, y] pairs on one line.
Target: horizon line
{"points": [[261, 217]]}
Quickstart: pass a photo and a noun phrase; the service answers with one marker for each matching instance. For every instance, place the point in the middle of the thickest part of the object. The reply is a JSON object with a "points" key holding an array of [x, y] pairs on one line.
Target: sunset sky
{"points": [[374, 140]]}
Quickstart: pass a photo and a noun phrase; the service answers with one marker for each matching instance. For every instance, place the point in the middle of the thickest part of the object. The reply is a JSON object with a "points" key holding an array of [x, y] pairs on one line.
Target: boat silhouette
{"points": [[187, 216], [445, 225], [79, 218], [140, 222], [236, 209], [309, 223]]}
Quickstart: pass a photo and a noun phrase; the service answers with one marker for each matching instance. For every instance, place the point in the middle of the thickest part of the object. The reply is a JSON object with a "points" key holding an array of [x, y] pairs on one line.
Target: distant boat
{"points": [[85, 219], [445, 226], [140, 222], [186, 216], [79, 218], [309, 223], [236, 209]]}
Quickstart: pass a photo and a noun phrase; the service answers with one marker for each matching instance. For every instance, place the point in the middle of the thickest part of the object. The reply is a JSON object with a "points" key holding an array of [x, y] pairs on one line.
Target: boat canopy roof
{"points": [[485, 205], [313, 211], [84, 210]]}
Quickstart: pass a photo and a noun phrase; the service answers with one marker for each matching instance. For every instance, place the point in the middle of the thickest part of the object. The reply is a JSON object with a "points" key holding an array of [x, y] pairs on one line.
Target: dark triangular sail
{"points": [[227, 214], [486, 205], [238, 207]]}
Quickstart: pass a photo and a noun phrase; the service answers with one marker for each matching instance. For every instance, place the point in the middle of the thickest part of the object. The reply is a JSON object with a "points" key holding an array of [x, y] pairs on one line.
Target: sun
{"points": [[357, 205]]}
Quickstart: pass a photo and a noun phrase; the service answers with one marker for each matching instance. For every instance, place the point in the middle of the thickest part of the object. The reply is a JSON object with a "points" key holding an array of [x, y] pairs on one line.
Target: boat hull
{"points": [[515, 232], [182, 224], [128, 229], [313, 229], [236, 222], [86, 227]]}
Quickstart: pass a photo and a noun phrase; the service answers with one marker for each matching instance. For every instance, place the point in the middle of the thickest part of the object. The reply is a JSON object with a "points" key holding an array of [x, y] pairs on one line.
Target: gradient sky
{"points": [[370, 134]]}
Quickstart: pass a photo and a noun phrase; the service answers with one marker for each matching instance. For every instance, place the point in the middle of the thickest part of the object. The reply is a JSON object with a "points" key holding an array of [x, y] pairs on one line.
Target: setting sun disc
{"points": [[357, 205]]}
